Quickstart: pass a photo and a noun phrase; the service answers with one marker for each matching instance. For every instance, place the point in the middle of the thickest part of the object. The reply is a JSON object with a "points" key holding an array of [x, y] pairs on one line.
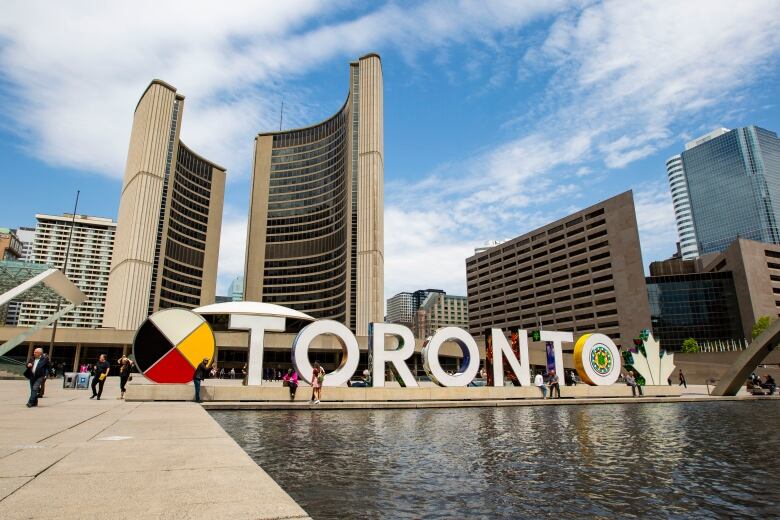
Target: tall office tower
{"points": [[682, 208], [315, 238], [170, 215], [236, 289], [582, 273], [733, 183], [89, 261]]}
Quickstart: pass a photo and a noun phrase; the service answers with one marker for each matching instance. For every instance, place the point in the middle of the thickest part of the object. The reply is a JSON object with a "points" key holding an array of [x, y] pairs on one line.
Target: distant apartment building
{"points": [[170, 217], [441, 310], [10, 245], [726, 185], [402, 308], [582, 273], [716, 298], [25, 235], [89, 262]]}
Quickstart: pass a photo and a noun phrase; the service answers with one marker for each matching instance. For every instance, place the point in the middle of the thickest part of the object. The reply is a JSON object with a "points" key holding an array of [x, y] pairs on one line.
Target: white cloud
{"points": [[75, 70], [624, 78], [655, 217]]}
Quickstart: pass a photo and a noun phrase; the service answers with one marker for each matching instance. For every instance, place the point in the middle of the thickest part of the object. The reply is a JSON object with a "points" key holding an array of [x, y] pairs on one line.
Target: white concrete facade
{"points": [[682, 207]]}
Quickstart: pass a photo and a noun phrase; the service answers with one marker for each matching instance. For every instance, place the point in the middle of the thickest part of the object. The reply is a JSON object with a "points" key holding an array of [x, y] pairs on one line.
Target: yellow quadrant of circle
{"points": [[198, 345]]}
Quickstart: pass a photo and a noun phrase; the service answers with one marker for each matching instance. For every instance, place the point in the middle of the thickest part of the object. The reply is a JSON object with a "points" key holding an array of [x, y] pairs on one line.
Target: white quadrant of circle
{"points": [[176, 324]]}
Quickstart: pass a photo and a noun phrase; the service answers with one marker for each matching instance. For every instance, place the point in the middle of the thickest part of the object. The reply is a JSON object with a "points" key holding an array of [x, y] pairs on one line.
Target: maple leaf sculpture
{"points": [[652, 363]]}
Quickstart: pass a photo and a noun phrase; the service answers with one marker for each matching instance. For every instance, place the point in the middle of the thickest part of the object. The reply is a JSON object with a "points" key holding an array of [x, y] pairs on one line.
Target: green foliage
{"points": [[760, 326], [689, 346]]}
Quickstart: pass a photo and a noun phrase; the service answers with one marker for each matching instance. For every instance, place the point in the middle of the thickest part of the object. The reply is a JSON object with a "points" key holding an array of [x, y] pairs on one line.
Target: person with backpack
{"points": [[317, 377]]}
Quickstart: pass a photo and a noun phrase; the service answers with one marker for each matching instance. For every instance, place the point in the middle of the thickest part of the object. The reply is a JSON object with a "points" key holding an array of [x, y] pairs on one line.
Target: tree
{"points": [[690, 345], [761, 325]]}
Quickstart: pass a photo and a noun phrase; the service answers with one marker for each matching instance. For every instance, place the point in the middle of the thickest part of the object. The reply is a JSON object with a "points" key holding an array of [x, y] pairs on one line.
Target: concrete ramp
{"points": [[736, 375]]}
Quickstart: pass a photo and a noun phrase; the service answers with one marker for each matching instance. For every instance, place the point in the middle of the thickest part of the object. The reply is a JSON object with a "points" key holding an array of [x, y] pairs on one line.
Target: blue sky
{"points": [[499, 116]]}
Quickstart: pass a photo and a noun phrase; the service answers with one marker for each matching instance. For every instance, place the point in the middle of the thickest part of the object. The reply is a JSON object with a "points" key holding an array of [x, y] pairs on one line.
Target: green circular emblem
{"points": [[601, 359]]}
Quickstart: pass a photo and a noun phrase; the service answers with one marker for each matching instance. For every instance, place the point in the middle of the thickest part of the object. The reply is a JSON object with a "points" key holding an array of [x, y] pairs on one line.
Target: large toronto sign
{"points": [[171, 343]]}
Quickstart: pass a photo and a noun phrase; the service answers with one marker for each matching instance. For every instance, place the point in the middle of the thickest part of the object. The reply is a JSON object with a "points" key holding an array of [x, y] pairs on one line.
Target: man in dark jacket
{"points": [[200, 374], [37, 370]]}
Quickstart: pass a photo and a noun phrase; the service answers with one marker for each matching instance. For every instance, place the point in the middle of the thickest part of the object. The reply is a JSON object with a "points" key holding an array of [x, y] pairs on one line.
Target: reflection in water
{"points": [[670, 460]]}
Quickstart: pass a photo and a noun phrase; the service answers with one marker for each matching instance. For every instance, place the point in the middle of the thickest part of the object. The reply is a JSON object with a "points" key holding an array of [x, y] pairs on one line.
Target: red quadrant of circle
{"points": [[171, 368]]}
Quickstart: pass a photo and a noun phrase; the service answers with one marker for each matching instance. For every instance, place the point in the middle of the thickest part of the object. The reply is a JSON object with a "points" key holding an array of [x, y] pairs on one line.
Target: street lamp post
{"points": [[64, 270]]}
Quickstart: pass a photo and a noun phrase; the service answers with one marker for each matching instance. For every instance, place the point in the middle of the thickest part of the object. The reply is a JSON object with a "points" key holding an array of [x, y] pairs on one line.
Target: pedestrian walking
{"points": [[682, 379], [555, 386], [232, 373], [201, 372], [99, 375], [291, 380], [317, 377], [539, 383], [631, 381], [36, 372], [125, 374]]}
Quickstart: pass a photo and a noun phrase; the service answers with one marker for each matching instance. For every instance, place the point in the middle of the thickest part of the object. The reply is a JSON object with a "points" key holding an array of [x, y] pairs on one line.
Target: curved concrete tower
{"points": [[170, 215], [315, 238]]}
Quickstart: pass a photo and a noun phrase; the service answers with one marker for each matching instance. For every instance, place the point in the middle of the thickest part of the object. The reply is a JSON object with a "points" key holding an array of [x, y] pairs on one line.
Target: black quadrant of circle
{"points": [[150, 345]]}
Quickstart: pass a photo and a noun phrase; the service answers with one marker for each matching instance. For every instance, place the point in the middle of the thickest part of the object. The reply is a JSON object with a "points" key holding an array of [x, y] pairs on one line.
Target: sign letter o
{"points": [[468, 368], [349, 349], [597, 359]]}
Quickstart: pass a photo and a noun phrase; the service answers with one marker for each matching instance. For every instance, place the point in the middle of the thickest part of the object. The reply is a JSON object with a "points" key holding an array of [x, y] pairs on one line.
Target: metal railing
{"points": [[12, 366]]}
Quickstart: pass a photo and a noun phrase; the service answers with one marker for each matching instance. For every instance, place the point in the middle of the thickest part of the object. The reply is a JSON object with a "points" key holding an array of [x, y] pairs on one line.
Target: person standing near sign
{"points": [[555, 386], [37, 369], [100, 373], [125, 367], [539, 383], [317, 377], [200, 374]]}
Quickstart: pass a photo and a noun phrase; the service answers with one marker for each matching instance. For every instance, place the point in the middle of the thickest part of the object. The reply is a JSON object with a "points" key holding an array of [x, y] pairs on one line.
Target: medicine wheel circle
{"points": [[171, 343]]}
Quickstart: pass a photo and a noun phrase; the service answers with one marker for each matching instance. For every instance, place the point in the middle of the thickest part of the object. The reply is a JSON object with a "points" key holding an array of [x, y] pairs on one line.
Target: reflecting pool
{"points": [[701, 460]]}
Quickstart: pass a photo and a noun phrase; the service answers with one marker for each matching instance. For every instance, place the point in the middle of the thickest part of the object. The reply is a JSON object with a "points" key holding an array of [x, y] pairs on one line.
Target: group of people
{"points": [[549, 382], [290, 379], [755, 383], [39, 368]]}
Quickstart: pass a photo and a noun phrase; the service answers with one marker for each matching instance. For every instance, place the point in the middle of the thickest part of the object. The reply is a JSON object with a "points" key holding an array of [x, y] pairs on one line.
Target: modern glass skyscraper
{"points": [[733, 184]]}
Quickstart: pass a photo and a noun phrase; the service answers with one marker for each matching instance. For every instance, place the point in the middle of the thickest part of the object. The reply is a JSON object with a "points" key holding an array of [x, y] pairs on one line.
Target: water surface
{"points": [[694, 460]]}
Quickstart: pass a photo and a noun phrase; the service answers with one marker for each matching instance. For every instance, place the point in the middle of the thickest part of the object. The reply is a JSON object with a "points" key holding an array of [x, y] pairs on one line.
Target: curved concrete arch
{"points": [[737, 374]]}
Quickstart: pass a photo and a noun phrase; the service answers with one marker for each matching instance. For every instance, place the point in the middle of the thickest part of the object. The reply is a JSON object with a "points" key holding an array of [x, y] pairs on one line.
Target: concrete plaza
{"points": [[72, 457]]}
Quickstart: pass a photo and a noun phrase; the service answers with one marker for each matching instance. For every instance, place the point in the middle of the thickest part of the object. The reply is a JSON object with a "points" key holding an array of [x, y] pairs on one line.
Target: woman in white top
{"points": [[539, 382]]}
